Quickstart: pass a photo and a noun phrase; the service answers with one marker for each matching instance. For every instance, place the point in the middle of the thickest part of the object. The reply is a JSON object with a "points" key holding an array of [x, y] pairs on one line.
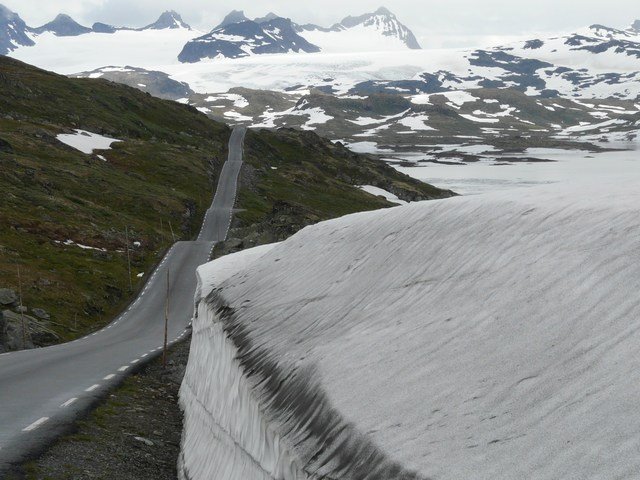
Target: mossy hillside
{"points": [[158, 179], [300, 178]]}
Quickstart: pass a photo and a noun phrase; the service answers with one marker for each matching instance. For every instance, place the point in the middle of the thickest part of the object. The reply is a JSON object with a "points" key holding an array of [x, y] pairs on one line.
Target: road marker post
{"points": [[126, 233], [172, 235], [166, 325], [24, 328]]}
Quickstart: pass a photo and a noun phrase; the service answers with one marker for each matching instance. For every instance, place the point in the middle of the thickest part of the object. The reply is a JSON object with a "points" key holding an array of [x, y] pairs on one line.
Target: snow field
{"points": [[487, 337]]}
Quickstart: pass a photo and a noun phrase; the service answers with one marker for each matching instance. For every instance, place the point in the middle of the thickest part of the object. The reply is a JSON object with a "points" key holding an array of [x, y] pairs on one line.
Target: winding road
{"points": [[43, 391]]}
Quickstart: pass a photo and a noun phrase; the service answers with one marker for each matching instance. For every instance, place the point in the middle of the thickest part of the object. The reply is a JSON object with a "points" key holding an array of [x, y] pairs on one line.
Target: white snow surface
{"points": [[86, 142], [379, 192], [487, 337]]}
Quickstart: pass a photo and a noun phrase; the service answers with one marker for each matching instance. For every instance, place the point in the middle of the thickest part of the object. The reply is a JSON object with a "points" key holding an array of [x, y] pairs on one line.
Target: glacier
{"points": [[494, 336]]}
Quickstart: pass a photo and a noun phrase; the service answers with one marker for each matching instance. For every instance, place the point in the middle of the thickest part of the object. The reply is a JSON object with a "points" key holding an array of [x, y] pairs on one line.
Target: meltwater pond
{"points": [[491, 174]]}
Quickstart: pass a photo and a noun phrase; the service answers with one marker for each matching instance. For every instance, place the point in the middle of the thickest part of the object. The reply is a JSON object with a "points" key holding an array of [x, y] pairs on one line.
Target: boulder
{"points": [[11, 336], [40, 313], [5, 146], [12, 331], [8, 297]]}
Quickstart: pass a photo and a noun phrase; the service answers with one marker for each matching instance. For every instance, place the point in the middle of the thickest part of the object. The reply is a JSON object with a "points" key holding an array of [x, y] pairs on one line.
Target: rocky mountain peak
{"points": [[636, 26], [236, 16], [63, 26], [267, 18], [168, 20], [385, 12]]}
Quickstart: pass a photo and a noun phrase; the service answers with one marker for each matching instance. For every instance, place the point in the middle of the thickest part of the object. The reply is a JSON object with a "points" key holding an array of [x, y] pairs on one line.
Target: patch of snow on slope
{"points": [[500, 341], [416, 123], [316, 116], [379, 192], [459, 98], [479, 119], [366, 147], [86, 142], [238, 100]]}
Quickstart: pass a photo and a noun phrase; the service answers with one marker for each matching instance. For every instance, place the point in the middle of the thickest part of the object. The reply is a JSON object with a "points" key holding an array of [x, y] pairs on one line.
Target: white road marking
{"points": [[68, 402], [92, 387], [144, 355], [135, 361], [35, 424], [122, 369], [110, 376]]}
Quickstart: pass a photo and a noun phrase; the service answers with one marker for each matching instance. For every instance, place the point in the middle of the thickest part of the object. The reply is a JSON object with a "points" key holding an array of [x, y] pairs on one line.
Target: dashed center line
{"points": [[68, 402], [92, 387], [35, 424], [124, 368], [110, 376]]}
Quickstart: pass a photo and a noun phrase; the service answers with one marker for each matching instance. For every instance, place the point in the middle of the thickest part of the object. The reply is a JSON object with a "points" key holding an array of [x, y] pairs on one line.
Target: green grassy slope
{"points": [[296, 178], [159, 177]]}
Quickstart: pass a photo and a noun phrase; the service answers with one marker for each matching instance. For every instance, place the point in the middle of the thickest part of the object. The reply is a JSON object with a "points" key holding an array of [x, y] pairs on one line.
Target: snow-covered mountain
{"points": [[237, 36], [245, 38], [13, 31], [380, 30]]}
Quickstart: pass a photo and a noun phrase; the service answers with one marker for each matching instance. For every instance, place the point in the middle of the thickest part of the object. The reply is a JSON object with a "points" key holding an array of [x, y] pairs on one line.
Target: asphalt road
{"points": [[43, 391]]}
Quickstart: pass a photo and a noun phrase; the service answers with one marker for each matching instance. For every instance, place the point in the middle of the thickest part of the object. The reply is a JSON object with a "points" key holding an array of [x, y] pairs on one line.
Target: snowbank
{"points": [[485, 337]]}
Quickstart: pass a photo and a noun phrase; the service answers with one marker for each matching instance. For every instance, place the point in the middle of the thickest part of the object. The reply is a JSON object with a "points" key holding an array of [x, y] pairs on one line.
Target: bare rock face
{"points": [[36, 333]]}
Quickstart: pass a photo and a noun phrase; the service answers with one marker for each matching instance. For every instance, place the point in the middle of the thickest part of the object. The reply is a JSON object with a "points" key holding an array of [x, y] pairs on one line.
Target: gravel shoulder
{"points": [[134, 434]]}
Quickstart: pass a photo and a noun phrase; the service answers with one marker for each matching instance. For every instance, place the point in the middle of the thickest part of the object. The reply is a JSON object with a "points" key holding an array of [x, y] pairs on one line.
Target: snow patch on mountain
{"points": [[86, 142]]}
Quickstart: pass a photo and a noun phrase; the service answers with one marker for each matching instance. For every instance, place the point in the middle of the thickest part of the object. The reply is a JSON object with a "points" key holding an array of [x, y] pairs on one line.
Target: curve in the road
{"points": [[43, 391]]}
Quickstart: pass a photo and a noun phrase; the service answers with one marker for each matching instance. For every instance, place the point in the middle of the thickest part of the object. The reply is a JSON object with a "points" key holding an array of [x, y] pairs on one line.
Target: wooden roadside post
{"points": [[172, 235], [126, 233], [24, 327], [166, 325]]}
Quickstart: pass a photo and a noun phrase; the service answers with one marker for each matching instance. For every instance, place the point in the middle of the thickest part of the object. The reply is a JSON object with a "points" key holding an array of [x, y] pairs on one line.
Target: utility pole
{"points": [[166, 325], [126, 233], [24, 327]]}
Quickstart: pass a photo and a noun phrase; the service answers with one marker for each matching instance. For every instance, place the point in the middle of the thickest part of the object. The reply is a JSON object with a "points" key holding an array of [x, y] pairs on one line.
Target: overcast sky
{"points": [[436, 23]]}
